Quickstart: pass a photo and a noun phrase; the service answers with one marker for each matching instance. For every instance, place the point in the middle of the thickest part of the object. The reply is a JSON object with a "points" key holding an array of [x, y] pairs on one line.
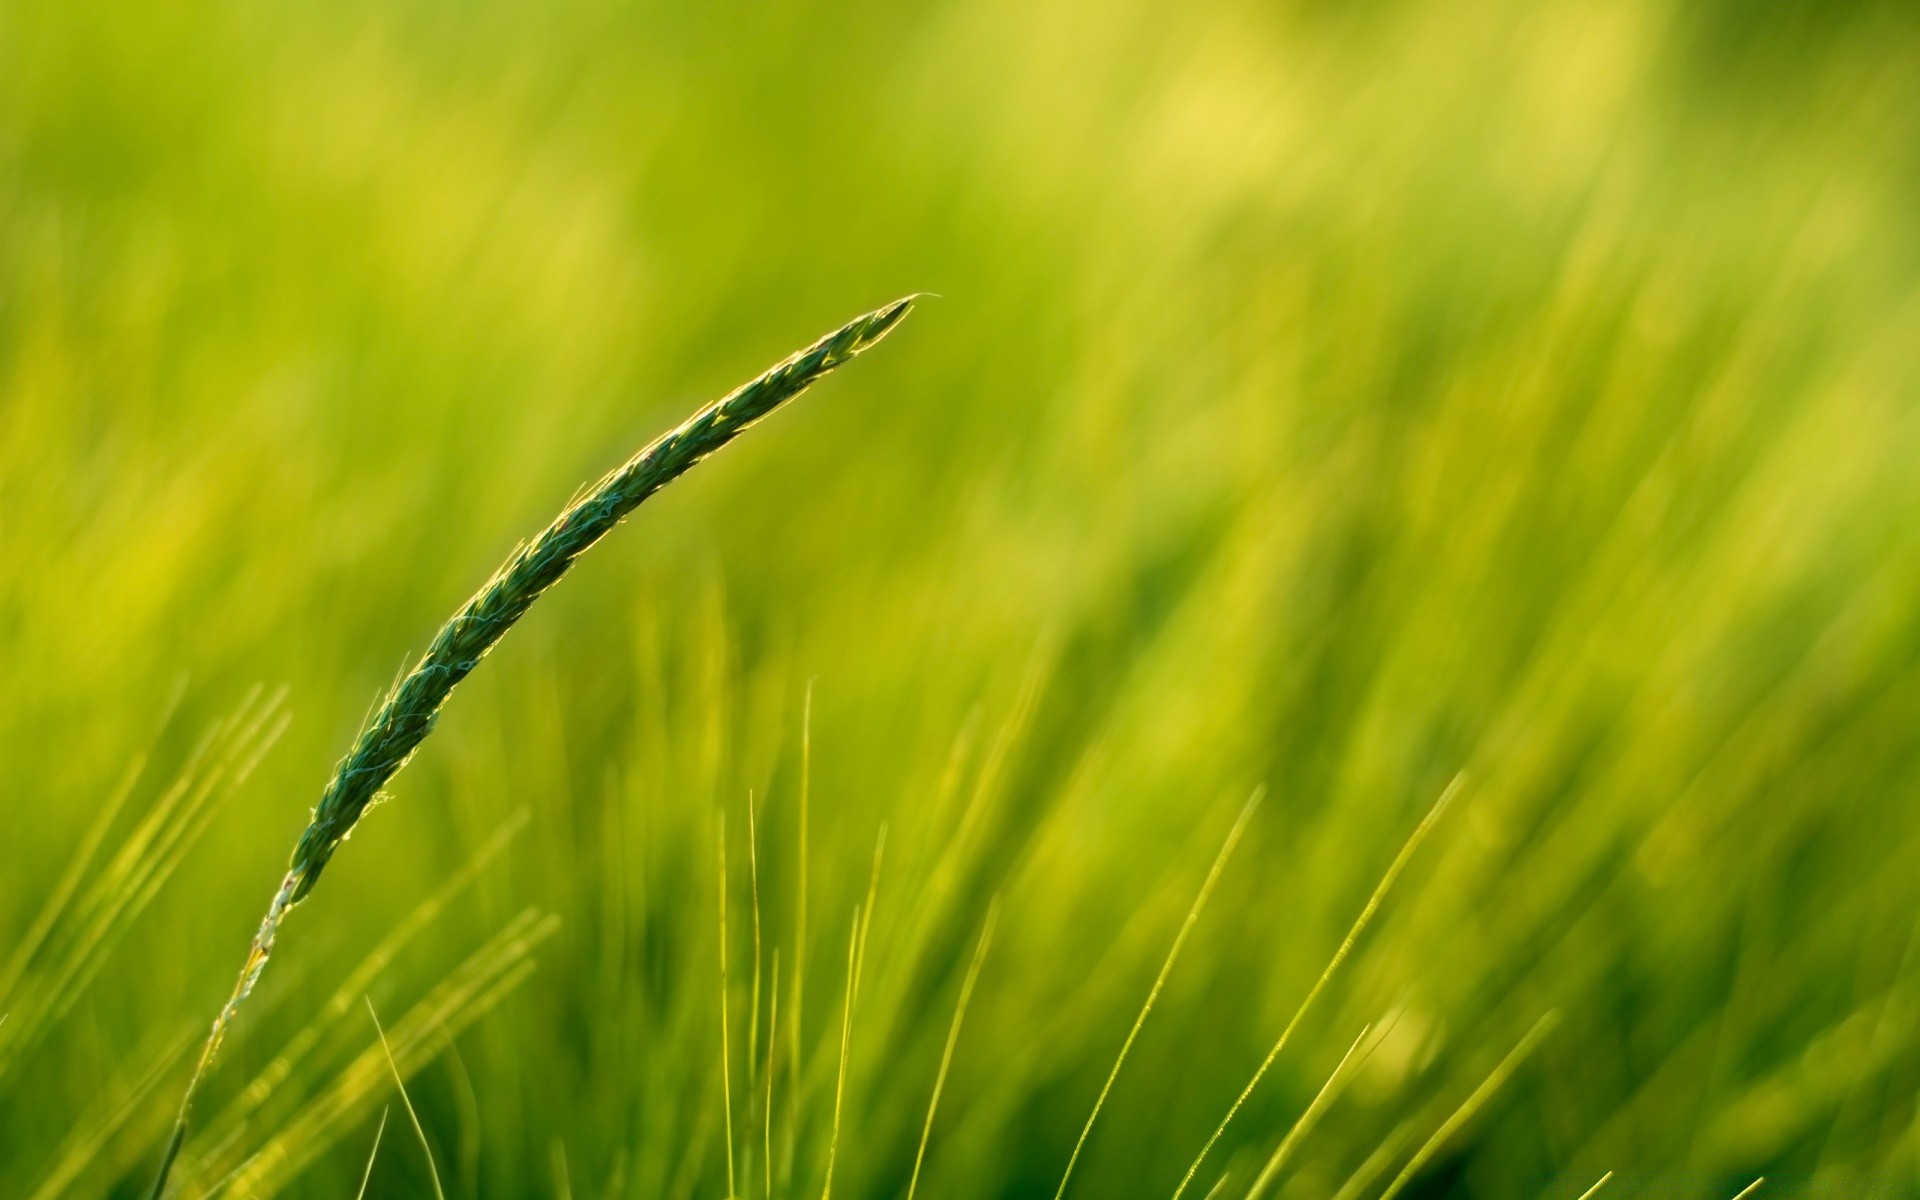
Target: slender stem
{"points": [[1159, 982], [726, 1067], [953, 1037], [407, 715], [1474, 1103], [1358, 927]]}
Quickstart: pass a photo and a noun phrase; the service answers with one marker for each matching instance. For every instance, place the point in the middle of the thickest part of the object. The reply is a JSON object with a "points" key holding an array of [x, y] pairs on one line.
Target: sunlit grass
{"points": [[1332, 399]]}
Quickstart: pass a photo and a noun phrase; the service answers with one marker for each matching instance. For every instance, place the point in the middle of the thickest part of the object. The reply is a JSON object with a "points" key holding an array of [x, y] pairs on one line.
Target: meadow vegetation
{"points": [[1346, 406]]}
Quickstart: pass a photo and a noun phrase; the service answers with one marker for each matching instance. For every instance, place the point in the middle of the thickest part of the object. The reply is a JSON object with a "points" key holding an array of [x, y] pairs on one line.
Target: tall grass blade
{"points": [[367, 1176], [1329, 1091], [953, 1036], [1359, 926], [1599, 1183], [846, 1037], [753, 990], [773, 1036], [86, 1146], [419, 1130], [359, 980], [1160, 981], [426, 1030], [726, 1058], [1376, 1161], [77, 931], [795, 1042], [407, 715], [753, 998], [1473, 1104]]}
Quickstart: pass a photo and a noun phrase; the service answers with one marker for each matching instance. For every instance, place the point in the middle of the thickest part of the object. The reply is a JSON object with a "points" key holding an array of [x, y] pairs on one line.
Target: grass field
{"points": [[1324, 402]]}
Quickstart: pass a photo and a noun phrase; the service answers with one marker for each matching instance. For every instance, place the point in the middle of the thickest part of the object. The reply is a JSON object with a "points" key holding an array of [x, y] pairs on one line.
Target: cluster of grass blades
{"points": [[94, 902], [306, 1115], [407, 716], [100, 894]]}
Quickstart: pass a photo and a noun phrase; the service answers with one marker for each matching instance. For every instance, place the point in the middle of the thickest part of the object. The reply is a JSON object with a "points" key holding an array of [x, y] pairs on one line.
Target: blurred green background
{"points": [[1334, 397]]}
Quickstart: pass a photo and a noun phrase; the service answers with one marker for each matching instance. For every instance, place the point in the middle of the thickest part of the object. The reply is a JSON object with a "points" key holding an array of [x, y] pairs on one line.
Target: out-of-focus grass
{"points": [[1330, 397]]}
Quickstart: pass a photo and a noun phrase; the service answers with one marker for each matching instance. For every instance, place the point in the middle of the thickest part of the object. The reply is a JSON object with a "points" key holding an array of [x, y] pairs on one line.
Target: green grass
{"points": [[409, 712], [1332, 398]]}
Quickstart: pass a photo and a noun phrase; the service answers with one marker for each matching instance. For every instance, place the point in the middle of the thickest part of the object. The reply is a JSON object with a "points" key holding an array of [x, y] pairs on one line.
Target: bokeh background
{"points": [[1334, 397]]}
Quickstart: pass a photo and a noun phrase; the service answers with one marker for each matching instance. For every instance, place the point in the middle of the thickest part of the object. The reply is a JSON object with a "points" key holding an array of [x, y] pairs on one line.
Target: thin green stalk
{"points": [[372, 1154], [797, 1063], [419, 1130], [408, 714], [1303, 1125], [953, 1037], [726, 1059], [1358, 927], [846, 1037], [773, 1035], [753, 996], [1473, 1104], [1599, 1183], [1160, 981]]}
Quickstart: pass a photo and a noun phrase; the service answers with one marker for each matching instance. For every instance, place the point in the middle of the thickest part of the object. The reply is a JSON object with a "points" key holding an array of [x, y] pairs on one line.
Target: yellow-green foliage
{"points": [[1335, 398], [408, 713]]}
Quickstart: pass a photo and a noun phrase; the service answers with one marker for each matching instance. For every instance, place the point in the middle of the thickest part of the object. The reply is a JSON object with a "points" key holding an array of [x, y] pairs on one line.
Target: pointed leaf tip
{"points": [[884, 319]]}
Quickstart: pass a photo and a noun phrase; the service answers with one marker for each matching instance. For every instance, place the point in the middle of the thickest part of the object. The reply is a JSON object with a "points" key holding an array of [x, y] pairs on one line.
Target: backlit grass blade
{"points": [[409, 711]]}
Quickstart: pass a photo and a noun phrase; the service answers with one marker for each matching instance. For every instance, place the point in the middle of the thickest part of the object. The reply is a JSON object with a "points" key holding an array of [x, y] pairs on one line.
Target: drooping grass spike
{"points": [[407, 715]]}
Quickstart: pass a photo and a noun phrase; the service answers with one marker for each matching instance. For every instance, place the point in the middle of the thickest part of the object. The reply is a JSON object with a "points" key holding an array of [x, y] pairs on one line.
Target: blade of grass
{"points": [[1376, 1161], [1597, 1185], [126, 883], [372, 1154], [419, 1130], [773, 1035], [85, 1145], [753, 1000], [427, 1029], [726, 1064], [1359, 926], [753, 991], [70, 881], [846, 1036], [407, 715], [873, 888], [357, 982], [1329, 1091], [794, 1042], [1472, 1105], [1160, 981], [953, 1037]]}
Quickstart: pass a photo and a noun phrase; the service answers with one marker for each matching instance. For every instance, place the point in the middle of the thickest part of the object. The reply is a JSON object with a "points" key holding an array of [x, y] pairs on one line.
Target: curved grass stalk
{"points": [[400, 1083], [1472, 1105], [1160, 981], [1354, 931], [407, 716]]}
